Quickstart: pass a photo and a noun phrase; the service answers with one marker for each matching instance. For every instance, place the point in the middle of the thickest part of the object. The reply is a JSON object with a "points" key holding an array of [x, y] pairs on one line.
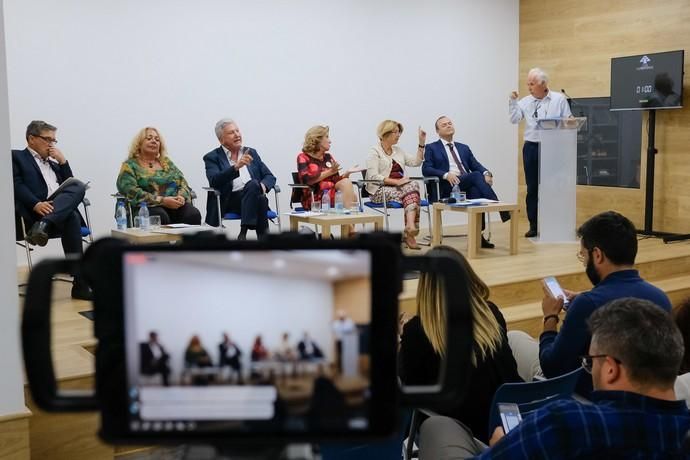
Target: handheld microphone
{"points": [[449, 200]]}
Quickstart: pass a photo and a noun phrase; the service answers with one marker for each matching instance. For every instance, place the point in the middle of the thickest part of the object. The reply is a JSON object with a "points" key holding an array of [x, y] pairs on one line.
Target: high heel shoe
{"points": [[409, 240]]}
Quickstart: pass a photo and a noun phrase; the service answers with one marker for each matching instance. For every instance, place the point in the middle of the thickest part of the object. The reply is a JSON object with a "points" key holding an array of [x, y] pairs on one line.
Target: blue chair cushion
{"points": [[234, 216], [85, 231], [424, 203], [389, 205]]}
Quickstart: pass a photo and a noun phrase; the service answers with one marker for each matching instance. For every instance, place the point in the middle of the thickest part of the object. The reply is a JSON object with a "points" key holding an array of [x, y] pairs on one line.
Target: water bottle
{"points": [[143, 216], [326, 201], [455, 193], [339, 207], [121, 215]]}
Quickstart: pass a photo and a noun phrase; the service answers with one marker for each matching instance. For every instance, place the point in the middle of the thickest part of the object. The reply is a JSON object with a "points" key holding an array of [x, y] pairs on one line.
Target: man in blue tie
{"points": [[454, 164]]}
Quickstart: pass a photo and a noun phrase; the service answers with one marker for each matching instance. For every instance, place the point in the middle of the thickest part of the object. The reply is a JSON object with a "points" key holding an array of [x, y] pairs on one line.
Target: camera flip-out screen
{"points": [[261, 341]]}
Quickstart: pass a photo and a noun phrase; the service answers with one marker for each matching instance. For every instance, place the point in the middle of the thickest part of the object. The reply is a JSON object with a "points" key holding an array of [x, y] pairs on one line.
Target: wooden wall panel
{"points": [[574, 42]]}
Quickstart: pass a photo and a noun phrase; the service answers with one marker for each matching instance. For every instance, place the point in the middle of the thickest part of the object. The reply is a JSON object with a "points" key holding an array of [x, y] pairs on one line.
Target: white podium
{"points": [[350, 356], [557, 178]]}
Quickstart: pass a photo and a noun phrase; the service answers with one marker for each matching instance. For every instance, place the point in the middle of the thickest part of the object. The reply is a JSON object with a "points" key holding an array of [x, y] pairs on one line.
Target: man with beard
{"points": [[608, 246]]}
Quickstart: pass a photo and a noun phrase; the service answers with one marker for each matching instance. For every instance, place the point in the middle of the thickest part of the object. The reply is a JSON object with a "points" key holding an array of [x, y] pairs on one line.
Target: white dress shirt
{"points": [[552, 105], [452, 165], [244, 177], [46, 171]]}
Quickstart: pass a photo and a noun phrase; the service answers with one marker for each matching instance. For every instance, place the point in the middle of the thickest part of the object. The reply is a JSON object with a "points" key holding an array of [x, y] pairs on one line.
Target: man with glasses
{"points": [[541, 103], [44, 197], [608, 246], [634, 359], [454, 164]]}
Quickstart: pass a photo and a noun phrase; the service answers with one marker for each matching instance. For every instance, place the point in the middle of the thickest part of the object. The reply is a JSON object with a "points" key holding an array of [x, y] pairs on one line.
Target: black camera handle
{"points": [[36, 338]]}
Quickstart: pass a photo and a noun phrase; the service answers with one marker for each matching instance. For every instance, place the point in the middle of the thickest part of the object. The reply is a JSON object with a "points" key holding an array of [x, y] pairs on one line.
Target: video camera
{"points": [[160, 312]]}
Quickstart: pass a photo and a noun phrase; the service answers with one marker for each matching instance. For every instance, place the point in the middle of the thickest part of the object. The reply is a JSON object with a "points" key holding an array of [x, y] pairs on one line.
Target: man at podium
{"points": [[541, 103]]}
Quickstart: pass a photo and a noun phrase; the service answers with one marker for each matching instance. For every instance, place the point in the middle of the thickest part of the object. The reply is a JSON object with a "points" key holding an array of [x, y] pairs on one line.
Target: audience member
{"points": [[317, 168], [386, 163], [634, 357], [682, 317], [231, 356], [423, 344], [308, 349], [154, 358], [608, 246], [149, 175], [455, 164], [242, 179], [44, 197]]}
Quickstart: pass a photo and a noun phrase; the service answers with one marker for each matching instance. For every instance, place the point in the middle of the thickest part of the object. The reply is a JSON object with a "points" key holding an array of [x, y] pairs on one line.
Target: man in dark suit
{"points": [[308, 349], [230, 355], [154, 358], [455, 164], [242, 178], [43, 200]]}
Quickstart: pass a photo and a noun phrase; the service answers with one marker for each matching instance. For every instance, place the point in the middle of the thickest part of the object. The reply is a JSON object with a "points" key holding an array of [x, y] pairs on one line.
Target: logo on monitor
{"points": [[645, 60]]}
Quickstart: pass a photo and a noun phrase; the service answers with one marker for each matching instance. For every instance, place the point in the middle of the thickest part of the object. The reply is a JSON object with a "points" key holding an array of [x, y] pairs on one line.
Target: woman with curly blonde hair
{"points": [[149, 175]]}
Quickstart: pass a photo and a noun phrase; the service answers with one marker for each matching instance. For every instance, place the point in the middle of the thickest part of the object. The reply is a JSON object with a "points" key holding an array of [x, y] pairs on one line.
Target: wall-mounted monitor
{"points": [[647, 81]]}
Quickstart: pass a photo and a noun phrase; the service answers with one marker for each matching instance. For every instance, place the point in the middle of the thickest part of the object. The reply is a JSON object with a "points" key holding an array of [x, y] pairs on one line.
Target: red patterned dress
{"points": [[310, 168]]}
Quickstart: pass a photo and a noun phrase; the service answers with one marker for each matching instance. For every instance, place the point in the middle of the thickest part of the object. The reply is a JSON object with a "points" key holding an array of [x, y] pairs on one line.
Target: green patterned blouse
{"points": [[139, 184]]}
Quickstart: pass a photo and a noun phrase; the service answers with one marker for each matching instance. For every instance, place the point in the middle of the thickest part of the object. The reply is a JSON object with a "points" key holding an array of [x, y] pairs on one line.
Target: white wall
{"points": [[241, 304], [100, 70], [11, 380]]}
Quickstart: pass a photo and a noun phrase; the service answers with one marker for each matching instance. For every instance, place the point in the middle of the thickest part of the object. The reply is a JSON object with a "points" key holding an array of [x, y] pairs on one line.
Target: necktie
{"points": [[457, 160]]}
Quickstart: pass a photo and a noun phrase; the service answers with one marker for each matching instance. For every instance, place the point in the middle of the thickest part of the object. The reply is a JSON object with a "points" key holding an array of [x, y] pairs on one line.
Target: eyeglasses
{"points": [[588, 361], [49, 140]]}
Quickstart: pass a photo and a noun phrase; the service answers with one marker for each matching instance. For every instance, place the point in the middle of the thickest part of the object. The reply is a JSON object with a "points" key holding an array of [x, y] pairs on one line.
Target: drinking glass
{"points": [[315, 206], [155, 222]]}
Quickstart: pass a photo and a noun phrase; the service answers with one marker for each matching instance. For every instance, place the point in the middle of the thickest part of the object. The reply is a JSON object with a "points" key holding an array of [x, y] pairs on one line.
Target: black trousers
{"points": [[530, 163], [186, 214], [250, 203], [65, 220]]}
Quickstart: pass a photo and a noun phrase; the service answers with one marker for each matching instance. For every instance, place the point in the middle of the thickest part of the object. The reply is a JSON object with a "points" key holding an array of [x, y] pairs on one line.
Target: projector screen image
{"points": [[250, 340], [647, 81]]}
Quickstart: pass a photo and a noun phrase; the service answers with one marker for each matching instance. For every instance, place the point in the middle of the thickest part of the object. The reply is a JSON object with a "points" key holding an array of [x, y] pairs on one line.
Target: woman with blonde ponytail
{"points": [[423, 345]]}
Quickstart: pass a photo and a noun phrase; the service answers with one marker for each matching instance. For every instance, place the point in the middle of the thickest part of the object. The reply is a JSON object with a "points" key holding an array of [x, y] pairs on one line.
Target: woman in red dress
{"points": [[317, 168]]}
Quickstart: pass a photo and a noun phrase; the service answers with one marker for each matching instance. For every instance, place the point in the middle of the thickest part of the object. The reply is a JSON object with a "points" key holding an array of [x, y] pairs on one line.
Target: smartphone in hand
{"points": [[556, 290], [510, 416]]}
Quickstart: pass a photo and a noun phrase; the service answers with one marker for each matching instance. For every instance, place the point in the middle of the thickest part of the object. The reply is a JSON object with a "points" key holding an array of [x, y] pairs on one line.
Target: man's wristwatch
{"points": [[548, 317]]}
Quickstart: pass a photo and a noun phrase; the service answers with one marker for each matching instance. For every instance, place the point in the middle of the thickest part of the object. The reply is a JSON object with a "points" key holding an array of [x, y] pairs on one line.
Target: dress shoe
{"points": [[505, 216], [486, 244], [531, 233], [82, 292], [38, 234], [242, 236]]}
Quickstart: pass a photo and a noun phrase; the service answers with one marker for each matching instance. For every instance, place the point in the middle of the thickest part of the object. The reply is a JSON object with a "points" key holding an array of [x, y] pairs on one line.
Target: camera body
{"points": [[161, 311]]}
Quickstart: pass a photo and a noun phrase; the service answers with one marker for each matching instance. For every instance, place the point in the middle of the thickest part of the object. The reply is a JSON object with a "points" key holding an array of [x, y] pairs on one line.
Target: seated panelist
{"points": [[149, 175], [455, 164], [386, 162], [45, 201], [317, 168], [242, 179]]}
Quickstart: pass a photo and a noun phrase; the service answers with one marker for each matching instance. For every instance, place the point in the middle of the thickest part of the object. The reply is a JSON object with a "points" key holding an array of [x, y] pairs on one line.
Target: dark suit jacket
{"points": [[233, 361], [302, 349], [149, 365], [220, 176], [436, 164], [29, 185]]}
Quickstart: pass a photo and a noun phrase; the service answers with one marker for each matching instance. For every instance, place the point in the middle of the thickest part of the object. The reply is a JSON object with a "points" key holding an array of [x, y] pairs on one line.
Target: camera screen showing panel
{"points": [[273, 341]]}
